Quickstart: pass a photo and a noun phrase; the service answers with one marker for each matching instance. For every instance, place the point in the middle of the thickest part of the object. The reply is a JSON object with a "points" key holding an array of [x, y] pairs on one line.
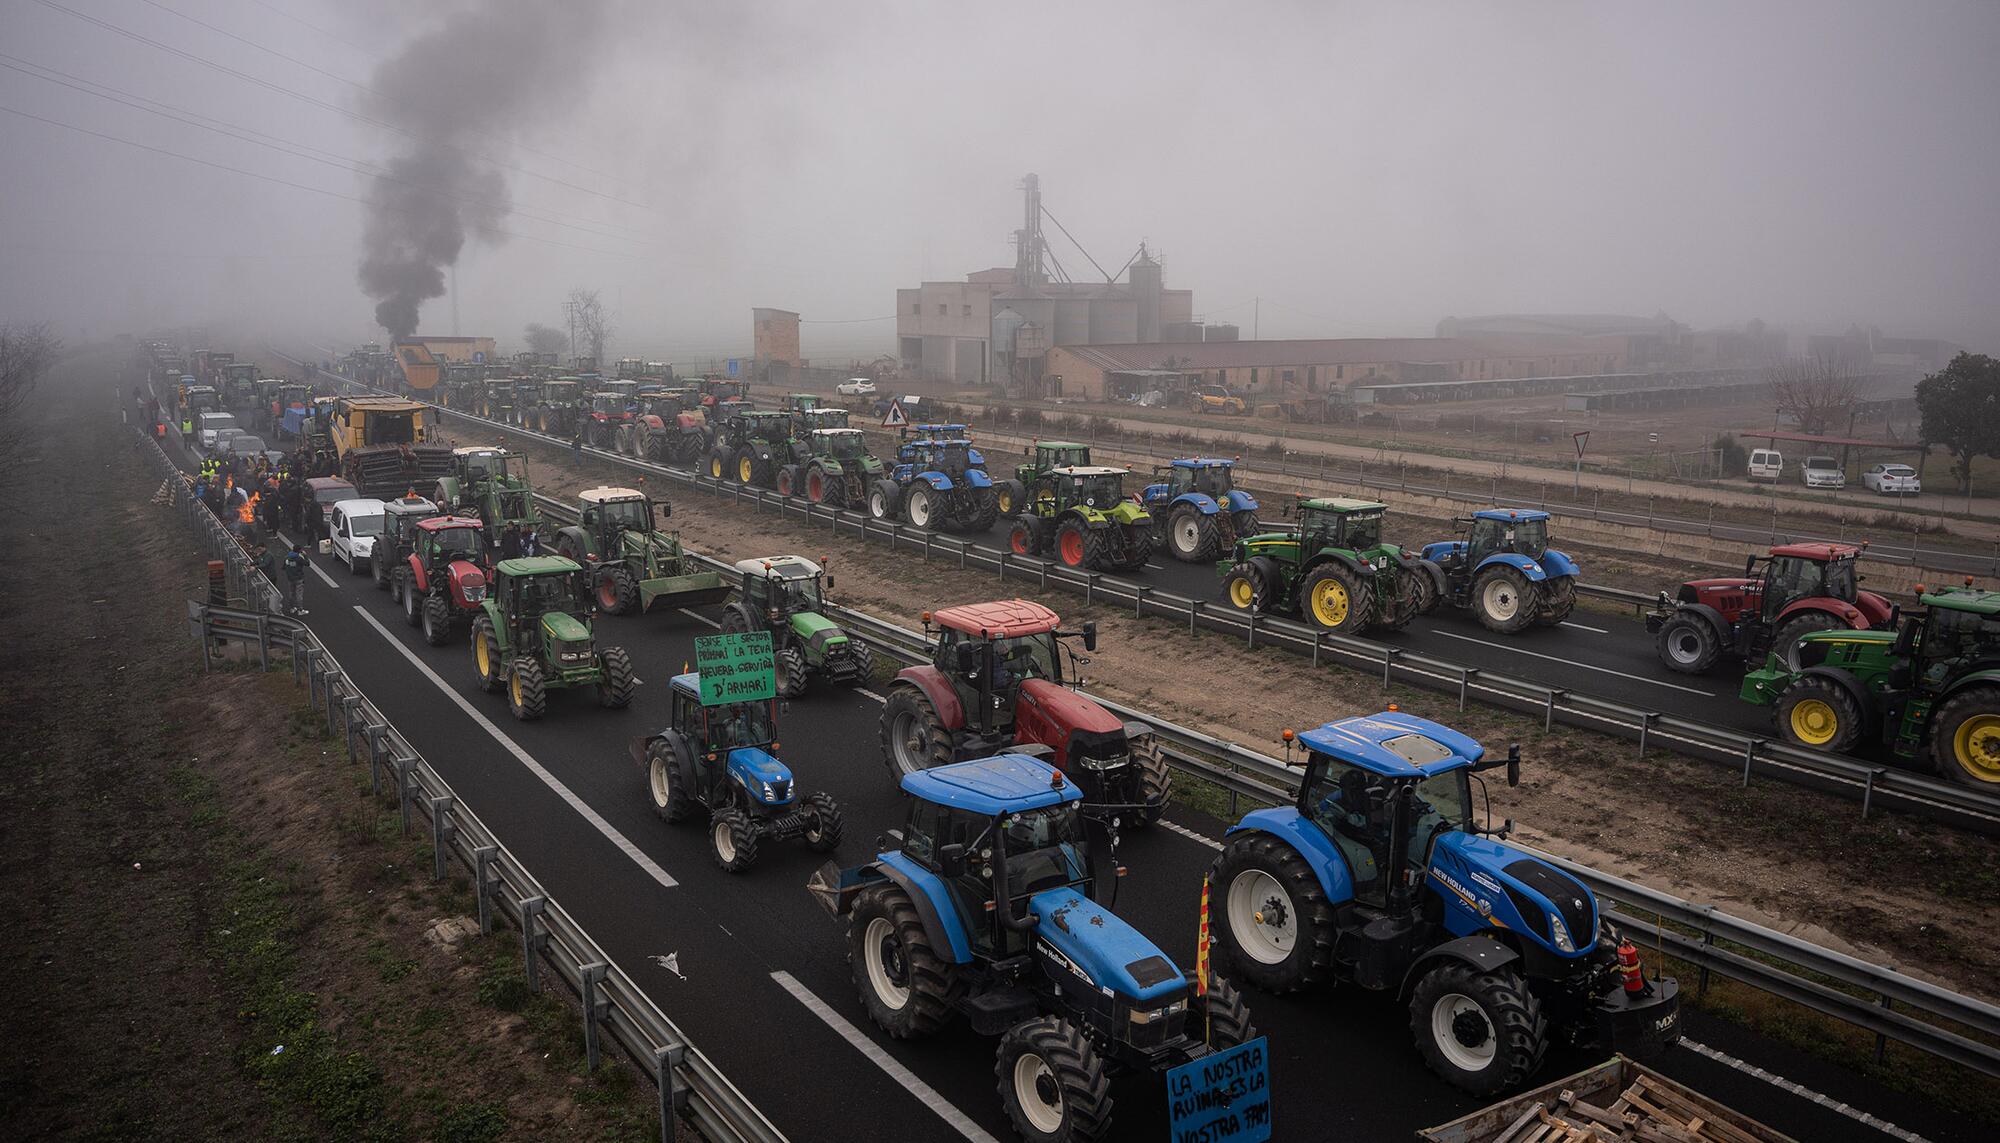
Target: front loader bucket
{"points": [[696, 590]]}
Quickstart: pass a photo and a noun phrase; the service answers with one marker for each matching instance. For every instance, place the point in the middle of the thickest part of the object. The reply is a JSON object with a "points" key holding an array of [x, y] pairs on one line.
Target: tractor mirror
{"points": [[951, 860], [829, 583], [1906, 637], [666, 509], [1749, 564], [1090, 635]]}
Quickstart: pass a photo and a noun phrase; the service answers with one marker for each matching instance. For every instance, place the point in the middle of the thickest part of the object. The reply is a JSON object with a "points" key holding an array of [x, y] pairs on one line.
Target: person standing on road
{"points": [[576, 447], [510, 543], [531, 542], [295, 576], [267, 564]]}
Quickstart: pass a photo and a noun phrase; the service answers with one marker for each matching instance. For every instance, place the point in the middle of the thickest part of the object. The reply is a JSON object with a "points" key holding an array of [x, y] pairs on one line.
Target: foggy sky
{"points": [[1366, 169]]}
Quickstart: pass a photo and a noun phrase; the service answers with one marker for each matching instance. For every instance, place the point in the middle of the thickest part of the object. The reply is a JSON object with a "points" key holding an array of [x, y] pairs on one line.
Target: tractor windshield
{"points": [[625, 514], [738, 724], [1441, 804], [1101, 492], [459, 543], [795, 594], [1045, 849], [1024, 657], [844, 445], [1362, 531], [542, 594]]}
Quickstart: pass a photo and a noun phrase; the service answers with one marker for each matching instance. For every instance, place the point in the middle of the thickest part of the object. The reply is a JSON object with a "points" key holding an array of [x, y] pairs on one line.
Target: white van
{"points": [[352, 527], [1766, 464], [208, 423]]}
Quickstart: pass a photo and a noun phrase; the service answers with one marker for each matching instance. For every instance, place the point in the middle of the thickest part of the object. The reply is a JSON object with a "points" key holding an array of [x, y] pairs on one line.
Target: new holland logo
{"points": [[1056, 954]]}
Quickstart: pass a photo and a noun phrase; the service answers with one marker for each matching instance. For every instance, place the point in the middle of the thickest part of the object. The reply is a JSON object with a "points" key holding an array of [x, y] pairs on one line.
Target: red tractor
{"points": [[444, 579], [996, 684], [1803, 587]]}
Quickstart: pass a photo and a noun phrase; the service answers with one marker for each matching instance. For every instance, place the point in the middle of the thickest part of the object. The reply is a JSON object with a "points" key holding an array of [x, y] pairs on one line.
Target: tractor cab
{"points": [[1057, 454], [801, 402], [840, 443], [440, 540], [475, 463], [1091, 486], [715, 390], [1799, 571], [782, 586], [610, 405], [989, 650], [1209, 476], [1497, 530], [538, 592], [1338, 522], [815, 419], [714, 731], [608, 511]]}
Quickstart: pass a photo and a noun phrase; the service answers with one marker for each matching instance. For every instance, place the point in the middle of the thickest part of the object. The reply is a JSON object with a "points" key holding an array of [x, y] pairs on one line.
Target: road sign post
{"points": [[1576, 484], [895, 417], [736, 668]]}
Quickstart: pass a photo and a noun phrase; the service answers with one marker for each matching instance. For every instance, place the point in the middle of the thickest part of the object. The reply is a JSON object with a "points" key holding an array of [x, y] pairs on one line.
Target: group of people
{"points": [[516, 542]]}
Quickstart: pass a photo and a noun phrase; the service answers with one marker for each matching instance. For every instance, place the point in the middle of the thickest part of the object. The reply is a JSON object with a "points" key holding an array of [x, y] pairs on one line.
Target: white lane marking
{"points": [[1803, 1092], [1574, 663], [925, 1093], [651, 867], [1156, 567], [701, 618], [1174, 827], [1583, 627], [317, 570]]}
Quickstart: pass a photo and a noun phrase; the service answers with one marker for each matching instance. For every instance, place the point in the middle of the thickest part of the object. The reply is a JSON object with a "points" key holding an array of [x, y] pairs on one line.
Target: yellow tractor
{"points": [[386, 445]]}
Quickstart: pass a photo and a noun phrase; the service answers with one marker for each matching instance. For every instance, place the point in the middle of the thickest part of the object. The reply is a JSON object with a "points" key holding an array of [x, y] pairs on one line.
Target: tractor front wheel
{"points": [[399, 581], [1688, 643], [748, 470], [617, 590], [908, 989], [791, 670], [527, 694], [921, 506], [1504, 599], [437, 620], [788, 480], [864, 663], [718, 464], [1192, 535], [914, 738], [1156, 784], [1801, 625], [1024, 539], [882, 500], [1247, 588], [486, 656], [1815, 711], [668, 781], [1277, 927], [816, 485], [1008, 496], [413, 604], [1072, 544], [1336, 600], [1228, 1016], [1482, 1031], [1053, 1083], [615, 680], [382, 569], [732, 840], [1965, 737], [824, 832]]}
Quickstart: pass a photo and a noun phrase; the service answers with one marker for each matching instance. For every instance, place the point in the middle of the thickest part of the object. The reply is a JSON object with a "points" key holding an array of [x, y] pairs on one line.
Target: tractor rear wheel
{"points": [[882, 499], [437, 620], [792, 673], [1408, 604], [1558, 600], [824, 832], [1688, 643], [398, 584], [617, 590], [1140, 540], [732, 840], [1818, 712], [615, 681], [381, 569], [527, 695], [1504, 599], [836, 491], [1277, 927], [1072, 545], [486, 656], [920, 507], [413, 604], [1228, 1016], [1965, 737], [1052, 1082], [669, 782], [908, 989], [1801, 625], [1192, 535], [914, 738], [985, 510], [1334, 599], [1246, 523], [788, 480], [1099, 551], [1482, 1031], [1008, 496]]}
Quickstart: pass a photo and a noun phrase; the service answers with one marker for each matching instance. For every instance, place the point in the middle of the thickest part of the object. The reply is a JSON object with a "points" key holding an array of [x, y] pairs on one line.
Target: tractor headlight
{"points": [[1111, 762], [770, 791], [1155, 1015], [1559, 933]]}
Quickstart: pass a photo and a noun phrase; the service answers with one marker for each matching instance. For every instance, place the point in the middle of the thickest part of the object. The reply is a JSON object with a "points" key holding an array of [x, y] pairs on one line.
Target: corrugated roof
{"points": [[1332, 351]]}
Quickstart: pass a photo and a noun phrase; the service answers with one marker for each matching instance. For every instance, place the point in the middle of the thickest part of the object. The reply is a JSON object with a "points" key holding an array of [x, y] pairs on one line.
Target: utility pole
{"points": [[1256, 318], [454, 299]]}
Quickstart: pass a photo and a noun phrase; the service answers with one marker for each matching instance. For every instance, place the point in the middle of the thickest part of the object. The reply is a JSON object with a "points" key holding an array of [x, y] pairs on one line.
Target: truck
{"points": [[385, 445]]}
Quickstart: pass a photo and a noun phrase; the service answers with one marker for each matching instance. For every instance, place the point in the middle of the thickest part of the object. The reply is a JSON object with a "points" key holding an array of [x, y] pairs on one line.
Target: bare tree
{"points": [[1816, 392], [589, 323], [26, 352], [545, 339]]}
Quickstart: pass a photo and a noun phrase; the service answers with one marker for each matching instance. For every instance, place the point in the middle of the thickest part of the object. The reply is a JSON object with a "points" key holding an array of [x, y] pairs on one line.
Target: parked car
{"points": [[249, 446], [1766, 464], [855, 387], [352, 527], [208, 424], [1892, 480], [322, 493], [223, 438], [1822, 472]]}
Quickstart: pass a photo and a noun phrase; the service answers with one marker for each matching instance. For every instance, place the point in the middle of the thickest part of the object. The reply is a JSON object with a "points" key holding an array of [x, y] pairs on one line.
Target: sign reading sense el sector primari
{"points": [[1224, 1097], [736, 667]]}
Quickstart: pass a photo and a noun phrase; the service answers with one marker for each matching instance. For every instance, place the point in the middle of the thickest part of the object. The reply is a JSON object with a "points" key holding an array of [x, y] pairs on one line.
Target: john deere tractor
{"points": [[832, 466], [1335, 572], [990, 907], [1085, 518], [1928, 689], [637, 565], [533, 633], [1199, 509], [1043, 457], [786, 595], [997, 681], [1379, 877], [491, 484], [751, 446], [723, 759], [1505, 571]]}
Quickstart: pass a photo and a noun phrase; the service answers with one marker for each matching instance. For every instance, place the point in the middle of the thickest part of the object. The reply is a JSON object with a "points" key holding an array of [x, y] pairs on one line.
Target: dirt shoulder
{"points": [[215, 932], [1893, 890]]}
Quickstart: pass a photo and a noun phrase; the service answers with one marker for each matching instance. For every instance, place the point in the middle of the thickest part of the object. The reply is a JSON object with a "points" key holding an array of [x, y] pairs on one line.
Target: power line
{"points": [[268, 7], [843, 321]]}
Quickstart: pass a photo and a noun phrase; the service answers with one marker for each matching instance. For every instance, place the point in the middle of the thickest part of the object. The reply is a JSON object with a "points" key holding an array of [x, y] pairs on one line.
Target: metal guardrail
{"points": [[1871, 785], [691, 1088]]}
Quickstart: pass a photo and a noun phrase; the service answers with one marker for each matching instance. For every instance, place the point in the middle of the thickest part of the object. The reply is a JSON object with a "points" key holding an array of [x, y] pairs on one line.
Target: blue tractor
{"points": [[1199, 510], [1504, 570], [1379, 877], [988, 908], [723, 759], [937, 482]]}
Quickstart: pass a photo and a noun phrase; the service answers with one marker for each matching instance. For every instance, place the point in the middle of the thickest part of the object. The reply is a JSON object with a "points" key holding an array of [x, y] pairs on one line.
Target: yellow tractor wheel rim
{"points": [[1006, 504], [743, 470], [1241, 593], [482, 657], [1977, 746], [514, 687], [1329, 602], [1815, 722], [715, 468]]}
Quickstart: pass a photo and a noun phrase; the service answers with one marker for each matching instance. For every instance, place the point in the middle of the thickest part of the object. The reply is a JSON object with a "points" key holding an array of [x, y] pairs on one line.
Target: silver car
{"points": [[1892, 480]]}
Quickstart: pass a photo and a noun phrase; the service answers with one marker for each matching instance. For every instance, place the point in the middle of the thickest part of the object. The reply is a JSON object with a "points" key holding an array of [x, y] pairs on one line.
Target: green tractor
{"points": [[832, 466], [533, 633], [1335, 572], [1083, 515], [1928, 690], [637, 565], [751, 446], [1043, 458], [786, 595], [490, 484]]}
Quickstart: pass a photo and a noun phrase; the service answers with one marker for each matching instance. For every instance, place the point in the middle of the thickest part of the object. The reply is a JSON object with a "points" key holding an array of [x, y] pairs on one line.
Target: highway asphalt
{"points": [[759, 975]]}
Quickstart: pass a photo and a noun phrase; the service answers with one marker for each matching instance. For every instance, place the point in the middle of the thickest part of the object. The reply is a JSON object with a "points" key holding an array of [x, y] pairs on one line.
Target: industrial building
{"points": [[774, 339]]}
